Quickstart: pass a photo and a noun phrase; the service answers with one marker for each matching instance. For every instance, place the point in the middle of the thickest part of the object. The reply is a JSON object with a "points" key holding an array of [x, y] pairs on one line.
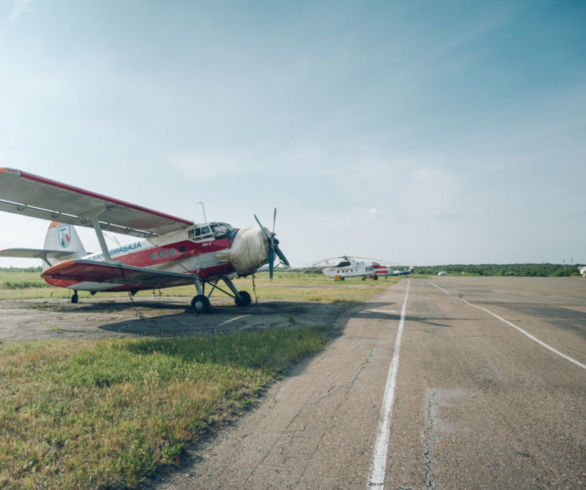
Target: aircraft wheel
{"points": [[243, 299], [201, 304], [75, 298]]}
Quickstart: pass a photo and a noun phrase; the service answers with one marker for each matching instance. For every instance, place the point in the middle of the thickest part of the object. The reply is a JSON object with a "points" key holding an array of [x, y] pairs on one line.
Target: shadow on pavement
{"points": [[228, 319]]}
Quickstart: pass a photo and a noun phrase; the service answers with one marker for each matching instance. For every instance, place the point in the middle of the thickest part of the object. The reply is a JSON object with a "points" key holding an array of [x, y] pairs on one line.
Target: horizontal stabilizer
{"points": [[35, 253]]}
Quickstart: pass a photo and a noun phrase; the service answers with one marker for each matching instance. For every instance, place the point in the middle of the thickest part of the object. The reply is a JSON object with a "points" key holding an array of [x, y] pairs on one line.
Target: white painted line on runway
{"points": [[441, 289], [233, 319], [532, 337], [381, 447]]}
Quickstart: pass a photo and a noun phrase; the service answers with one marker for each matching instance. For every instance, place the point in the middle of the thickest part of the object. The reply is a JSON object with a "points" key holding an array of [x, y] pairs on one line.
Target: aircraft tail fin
{"points": [[62, 241]]}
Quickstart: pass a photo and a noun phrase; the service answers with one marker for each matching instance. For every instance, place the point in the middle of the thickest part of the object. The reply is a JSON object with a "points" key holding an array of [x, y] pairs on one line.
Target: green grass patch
{"points": [[108, 413], [292, 286], [16, 277], [24, 284]]}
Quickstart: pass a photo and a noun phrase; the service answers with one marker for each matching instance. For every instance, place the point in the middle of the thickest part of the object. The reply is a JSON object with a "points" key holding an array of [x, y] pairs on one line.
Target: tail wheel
{"points": [[201, 304], [75, 298], [243, 299]]}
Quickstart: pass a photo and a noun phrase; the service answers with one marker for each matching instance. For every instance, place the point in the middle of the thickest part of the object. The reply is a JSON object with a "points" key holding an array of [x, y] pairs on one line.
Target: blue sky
{"points": [[420, 132]]}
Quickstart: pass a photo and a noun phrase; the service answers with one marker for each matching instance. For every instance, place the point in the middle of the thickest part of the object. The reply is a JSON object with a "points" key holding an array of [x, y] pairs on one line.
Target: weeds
{"points": [[108, 413]]}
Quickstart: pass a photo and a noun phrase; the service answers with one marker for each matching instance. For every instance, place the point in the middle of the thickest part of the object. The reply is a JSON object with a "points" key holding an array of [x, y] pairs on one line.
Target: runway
{"points": [[489, 390]]}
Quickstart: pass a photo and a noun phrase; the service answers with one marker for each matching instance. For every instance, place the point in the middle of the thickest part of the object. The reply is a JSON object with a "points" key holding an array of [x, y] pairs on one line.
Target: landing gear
{"points": [[75, 298], [201, 304], [243, 299]]}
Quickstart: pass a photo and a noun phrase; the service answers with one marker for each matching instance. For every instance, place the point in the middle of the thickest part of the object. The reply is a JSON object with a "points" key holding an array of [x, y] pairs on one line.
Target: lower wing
{"points": [[89, 275]]}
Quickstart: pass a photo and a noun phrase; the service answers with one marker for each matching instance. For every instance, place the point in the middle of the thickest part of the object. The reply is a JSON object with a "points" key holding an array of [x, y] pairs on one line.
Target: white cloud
{"points": [[432, 193], [209, 165], [21, 7], [201, 167]]}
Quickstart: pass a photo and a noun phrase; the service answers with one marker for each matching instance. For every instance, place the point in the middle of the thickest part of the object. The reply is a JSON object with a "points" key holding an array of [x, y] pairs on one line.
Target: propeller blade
{"points": [[273, 245], [281, 256], [262, 228], [271, 262]]}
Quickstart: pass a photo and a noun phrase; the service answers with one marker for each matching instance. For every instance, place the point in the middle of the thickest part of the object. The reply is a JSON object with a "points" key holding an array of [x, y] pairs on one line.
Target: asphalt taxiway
{"points": [[440, 383]]}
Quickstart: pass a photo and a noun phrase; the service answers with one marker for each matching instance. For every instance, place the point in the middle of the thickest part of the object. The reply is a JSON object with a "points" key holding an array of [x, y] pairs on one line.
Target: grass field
{"points": [[107, 413], [285, 285], [103, 414]]}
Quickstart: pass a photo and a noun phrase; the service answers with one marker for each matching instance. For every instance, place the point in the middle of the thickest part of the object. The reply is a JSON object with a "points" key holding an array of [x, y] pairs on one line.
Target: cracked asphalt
{"points": [[477, 403]]}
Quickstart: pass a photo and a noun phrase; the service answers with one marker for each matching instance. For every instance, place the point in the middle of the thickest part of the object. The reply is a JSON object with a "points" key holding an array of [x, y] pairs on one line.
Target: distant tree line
{"points": [[529, 270], [21, 269]]}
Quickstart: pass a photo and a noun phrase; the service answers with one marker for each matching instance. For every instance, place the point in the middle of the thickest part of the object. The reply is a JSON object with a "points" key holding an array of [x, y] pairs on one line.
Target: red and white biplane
{"points": [[172, 251]]}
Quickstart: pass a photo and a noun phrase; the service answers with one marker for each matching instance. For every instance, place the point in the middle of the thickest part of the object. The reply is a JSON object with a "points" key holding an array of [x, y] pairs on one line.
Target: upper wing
{"points": [[115, 273], [31, 195]]}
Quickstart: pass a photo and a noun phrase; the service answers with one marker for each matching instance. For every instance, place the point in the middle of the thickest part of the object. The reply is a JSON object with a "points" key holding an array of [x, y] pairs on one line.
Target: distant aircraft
{"points": [[384, 271], [172, 252], [357, 267], [348, 267]]}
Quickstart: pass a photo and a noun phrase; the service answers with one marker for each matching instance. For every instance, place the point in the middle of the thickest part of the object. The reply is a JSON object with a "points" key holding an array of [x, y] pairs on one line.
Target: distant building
{"points": [[582, 271]]}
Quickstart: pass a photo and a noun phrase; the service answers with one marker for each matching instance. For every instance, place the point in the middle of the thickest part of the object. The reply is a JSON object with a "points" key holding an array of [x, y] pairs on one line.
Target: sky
{"points": [[416, 132]]}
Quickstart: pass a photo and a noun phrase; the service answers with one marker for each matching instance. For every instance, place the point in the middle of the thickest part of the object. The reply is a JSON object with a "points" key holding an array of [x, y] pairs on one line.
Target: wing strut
{"points": [[103, 246], [94, 217]]}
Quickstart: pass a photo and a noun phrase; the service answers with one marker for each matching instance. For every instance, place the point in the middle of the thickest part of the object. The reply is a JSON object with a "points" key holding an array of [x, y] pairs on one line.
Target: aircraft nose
{"points": [[249, 250]]}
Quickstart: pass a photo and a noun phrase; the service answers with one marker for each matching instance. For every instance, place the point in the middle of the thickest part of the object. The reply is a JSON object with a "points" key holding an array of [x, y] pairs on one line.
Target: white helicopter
{"points": [[358, 267], [348, 267]]}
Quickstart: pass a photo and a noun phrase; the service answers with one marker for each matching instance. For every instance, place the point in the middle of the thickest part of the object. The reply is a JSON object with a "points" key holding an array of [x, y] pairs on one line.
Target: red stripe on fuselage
{"points": [[158, 258]]}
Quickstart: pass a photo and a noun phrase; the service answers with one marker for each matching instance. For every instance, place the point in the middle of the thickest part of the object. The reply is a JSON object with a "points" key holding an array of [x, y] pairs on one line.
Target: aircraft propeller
{"points": [[273, 245]]}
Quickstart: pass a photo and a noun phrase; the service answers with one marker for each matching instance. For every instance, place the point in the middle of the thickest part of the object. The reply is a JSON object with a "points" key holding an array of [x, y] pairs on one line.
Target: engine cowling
{"points": [[249, 250]]}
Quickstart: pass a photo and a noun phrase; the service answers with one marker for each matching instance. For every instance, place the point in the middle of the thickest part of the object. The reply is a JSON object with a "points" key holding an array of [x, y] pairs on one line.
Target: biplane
{"points": [[170, 251]]}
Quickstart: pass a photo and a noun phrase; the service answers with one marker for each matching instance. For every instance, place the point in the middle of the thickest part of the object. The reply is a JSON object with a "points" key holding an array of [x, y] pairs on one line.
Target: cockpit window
{"points": [[220, 229], [204, 230], [211, 231], [200, 233]]}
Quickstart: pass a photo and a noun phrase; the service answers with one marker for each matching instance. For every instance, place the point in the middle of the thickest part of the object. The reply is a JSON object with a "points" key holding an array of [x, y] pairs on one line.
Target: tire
{"points": [[200, 304], [243, 299], [75, 298]]}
